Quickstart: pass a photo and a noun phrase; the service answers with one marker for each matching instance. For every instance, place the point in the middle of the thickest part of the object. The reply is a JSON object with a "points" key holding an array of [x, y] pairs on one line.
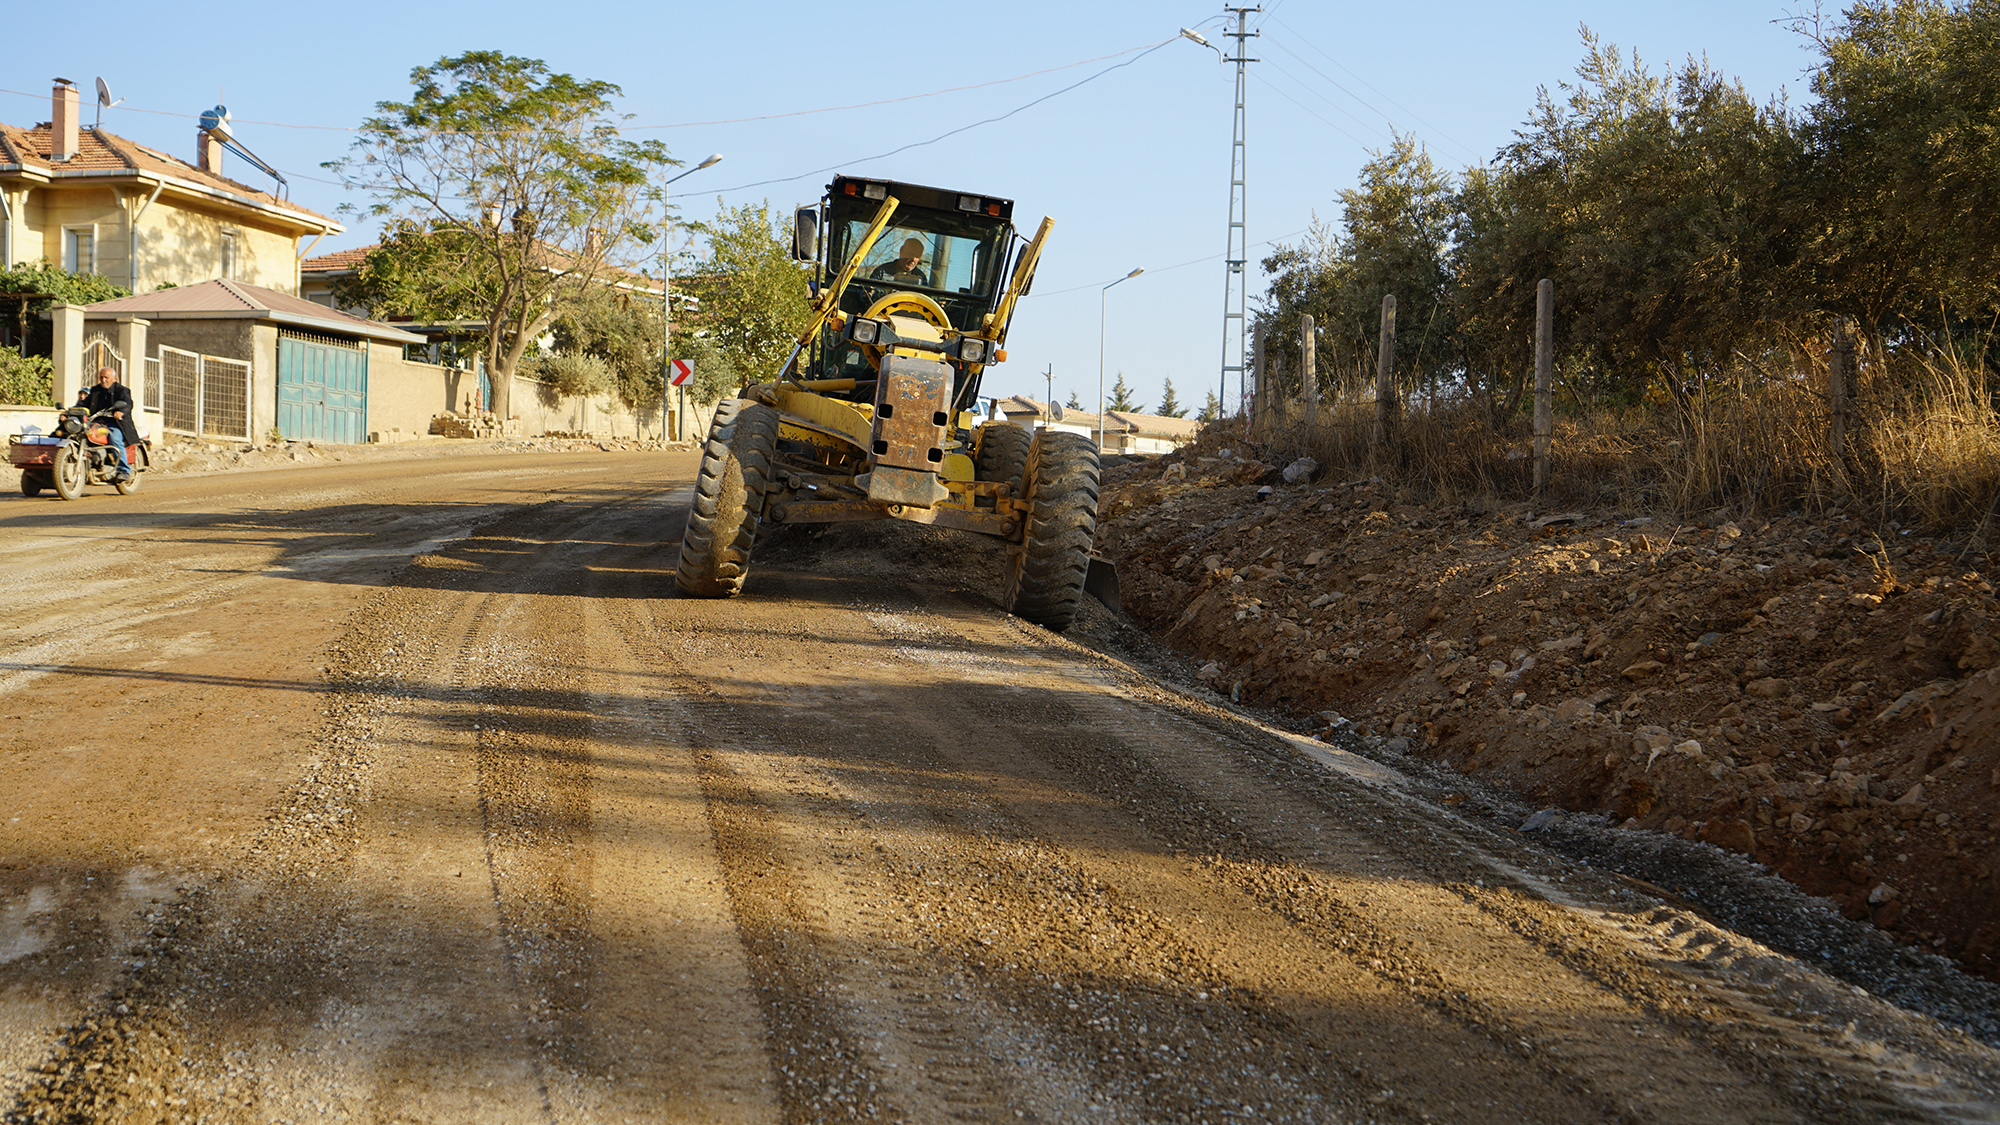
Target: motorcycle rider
{"points": [[112, 395]]}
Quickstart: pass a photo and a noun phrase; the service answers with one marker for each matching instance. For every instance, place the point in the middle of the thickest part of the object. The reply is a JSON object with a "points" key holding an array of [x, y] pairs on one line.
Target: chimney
{"points": [[63, 123], [208, 152]]}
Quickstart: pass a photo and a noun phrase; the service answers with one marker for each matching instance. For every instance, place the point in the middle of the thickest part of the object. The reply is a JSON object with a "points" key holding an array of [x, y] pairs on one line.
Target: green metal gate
{"points": [[322, 388]]}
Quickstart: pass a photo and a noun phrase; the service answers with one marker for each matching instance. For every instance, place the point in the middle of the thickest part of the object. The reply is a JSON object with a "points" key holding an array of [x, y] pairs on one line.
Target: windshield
{"points": [[929, 251]]}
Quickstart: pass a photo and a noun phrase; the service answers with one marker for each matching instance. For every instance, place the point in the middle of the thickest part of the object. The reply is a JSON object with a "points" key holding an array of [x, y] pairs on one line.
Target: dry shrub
{"points": [[1924, 451]]}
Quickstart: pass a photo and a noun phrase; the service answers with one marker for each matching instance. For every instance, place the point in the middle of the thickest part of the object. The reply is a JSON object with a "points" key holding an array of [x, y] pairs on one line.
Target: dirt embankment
{"points": [[1798, 689]]}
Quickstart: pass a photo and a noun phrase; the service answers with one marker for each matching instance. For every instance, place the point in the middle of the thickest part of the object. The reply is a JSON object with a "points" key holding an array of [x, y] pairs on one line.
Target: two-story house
{"points": [[94, 202]]}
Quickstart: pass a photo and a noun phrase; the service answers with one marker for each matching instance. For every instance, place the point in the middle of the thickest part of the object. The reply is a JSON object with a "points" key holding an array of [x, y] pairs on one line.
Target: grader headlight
{"points": [[865, 331]]}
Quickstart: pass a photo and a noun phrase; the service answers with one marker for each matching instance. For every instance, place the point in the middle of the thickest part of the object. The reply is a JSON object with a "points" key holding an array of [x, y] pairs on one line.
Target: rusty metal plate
{"points": [[914, 487], [912, 407]]}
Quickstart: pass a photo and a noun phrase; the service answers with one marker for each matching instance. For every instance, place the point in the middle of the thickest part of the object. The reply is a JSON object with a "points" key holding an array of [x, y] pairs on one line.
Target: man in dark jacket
{"points": [[110, 394]]}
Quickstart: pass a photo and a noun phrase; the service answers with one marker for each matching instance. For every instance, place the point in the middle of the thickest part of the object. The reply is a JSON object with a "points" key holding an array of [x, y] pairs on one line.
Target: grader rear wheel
{"points": [[1045, 573], [728, 502]]}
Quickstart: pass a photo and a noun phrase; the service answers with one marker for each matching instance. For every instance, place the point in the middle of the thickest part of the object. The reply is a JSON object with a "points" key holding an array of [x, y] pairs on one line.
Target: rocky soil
{"points": [[1816, 695]]}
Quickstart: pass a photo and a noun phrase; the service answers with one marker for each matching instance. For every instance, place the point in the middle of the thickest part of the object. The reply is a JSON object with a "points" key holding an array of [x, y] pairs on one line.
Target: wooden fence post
{"points": [[1838, 372], [1385, 373], [1545, 348]]}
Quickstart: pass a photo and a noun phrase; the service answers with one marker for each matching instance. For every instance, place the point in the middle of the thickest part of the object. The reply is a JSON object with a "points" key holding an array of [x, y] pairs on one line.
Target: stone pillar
{"points": [[132, 345], [67, 320]]}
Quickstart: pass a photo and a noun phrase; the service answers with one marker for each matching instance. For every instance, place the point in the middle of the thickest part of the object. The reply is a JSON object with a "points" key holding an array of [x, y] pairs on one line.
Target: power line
{"points": [[1392, 101], [1150, 271], [953, 132]]}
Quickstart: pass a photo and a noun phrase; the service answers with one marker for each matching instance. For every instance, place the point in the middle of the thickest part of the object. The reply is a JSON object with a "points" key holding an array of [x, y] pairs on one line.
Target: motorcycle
{"points": [[78, 453]]}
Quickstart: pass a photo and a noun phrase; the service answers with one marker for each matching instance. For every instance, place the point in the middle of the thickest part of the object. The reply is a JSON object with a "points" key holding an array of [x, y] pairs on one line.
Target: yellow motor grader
{"points": [[870, 417]]}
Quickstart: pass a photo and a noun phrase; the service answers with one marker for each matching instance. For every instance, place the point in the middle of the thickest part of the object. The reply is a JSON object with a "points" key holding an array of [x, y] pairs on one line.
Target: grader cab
{"points": [[871, 415]]}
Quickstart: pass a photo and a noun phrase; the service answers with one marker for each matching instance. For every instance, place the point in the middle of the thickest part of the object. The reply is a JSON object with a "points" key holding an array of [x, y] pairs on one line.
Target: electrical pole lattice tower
{"points": [[1236, 283]]}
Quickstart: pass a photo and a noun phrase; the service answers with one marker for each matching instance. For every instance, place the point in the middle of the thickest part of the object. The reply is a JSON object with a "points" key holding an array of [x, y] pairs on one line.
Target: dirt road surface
{"points": [[407, 791]]}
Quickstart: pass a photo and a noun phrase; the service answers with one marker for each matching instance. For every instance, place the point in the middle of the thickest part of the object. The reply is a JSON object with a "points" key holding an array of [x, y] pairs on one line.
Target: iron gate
{"points": [[322, 388]]}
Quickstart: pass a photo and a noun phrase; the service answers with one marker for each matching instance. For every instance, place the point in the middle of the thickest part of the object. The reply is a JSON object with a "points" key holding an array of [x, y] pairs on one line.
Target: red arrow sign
{"points": [[681, 370]]}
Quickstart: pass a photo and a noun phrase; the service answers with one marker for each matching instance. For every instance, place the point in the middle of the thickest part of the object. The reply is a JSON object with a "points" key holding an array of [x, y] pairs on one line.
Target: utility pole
{"points": [[1049, 404], [1236, 283]]}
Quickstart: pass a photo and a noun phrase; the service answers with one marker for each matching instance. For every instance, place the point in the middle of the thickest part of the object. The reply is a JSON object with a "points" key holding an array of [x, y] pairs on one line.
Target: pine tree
{"points": [[1211, 411], [1121, 398], [1169, 406], [1072, 404]]}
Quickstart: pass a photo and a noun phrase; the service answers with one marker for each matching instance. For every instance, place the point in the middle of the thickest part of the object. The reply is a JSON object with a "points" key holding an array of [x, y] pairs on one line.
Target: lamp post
{"points": [[667, 302], [1101, 298]]}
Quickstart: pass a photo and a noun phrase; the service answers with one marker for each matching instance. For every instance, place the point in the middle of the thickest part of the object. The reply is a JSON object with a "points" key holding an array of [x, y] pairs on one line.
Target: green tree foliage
{"points": [[1121, 398], [754, 301], [1210, 410], [1653, 203], [571, 374], [512, 189], [1902, 182], [621, 327], [1170, 407], [26, 291], [25, 380], [1074, 403], [1394, 237]]}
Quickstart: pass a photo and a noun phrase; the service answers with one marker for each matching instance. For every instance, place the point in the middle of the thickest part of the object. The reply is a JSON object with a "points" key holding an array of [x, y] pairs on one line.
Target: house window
{"points": [[79, 252], [228, 254]]}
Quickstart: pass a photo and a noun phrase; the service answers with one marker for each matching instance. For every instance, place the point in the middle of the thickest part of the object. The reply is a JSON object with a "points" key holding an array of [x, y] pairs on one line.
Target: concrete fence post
{"points": [[1309, 368]]}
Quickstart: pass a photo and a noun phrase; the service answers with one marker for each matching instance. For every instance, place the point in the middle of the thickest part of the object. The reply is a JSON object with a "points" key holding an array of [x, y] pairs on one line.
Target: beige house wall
{"points": [[183, 246], [179, 244]]}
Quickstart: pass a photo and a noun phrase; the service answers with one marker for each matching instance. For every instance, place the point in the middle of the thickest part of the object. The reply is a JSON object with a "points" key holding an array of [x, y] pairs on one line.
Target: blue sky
{"points": [[1133, 164]]}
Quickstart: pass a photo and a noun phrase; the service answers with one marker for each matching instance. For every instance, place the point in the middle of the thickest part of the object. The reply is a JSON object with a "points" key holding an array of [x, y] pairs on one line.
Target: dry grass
{"points": [[1921, 450]]}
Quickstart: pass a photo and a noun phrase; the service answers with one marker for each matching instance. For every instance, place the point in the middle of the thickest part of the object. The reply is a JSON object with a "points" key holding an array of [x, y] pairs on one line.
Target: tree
{"points": [[1210, 410], [1170, 407], [515, 187], [621, 328], [1121, 398], [1394, 238], [1073, 403], [1903, 160], [754, 301]]}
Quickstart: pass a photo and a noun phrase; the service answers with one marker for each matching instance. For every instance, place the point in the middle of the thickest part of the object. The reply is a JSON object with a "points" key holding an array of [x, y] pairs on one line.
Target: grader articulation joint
{"points": [[871, 415]]}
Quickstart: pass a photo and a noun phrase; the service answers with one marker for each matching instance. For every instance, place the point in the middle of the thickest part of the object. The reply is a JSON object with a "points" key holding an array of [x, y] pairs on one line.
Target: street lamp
{"points": [[1100, 352], [667, 301]]}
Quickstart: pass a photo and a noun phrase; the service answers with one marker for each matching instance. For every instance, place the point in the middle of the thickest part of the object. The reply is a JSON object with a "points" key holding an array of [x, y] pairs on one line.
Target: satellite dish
{"points": [[104, 93], [1056, 411]]}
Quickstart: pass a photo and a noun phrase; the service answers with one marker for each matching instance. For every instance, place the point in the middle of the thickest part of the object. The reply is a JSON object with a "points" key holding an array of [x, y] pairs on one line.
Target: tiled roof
{"points": [[224, 298], [336, 261], [342, 260], [99, 151]]}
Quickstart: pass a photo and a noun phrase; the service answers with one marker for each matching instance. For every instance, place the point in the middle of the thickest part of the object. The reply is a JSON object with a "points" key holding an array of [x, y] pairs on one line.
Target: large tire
{"points": [[728, 500], [1003, 454], [1045, 575], [31, 485], [71, 470]]}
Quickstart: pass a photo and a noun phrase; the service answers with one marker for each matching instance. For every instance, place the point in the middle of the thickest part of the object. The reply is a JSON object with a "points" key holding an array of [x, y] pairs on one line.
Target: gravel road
{"points": [[404, 790]]}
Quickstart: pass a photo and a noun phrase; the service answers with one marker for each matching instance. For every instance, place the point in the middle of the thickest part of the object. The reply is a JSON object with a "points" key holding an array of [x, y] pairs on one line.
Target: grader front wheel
{"points": [[728, 500], [1003, 454], [1045, 573]]}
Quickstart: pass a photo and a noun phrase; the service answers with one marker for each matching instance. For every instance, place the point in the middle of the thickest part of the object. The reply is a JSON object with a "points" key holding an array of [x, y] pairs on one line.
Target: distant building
{"points": [[1124, 431]]}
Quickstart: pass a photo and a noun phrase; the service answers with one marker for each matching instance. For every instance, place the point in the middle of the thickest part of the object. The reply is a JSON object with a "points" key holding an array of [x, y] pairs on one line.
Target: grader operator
{"points": [[871, 415]]}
